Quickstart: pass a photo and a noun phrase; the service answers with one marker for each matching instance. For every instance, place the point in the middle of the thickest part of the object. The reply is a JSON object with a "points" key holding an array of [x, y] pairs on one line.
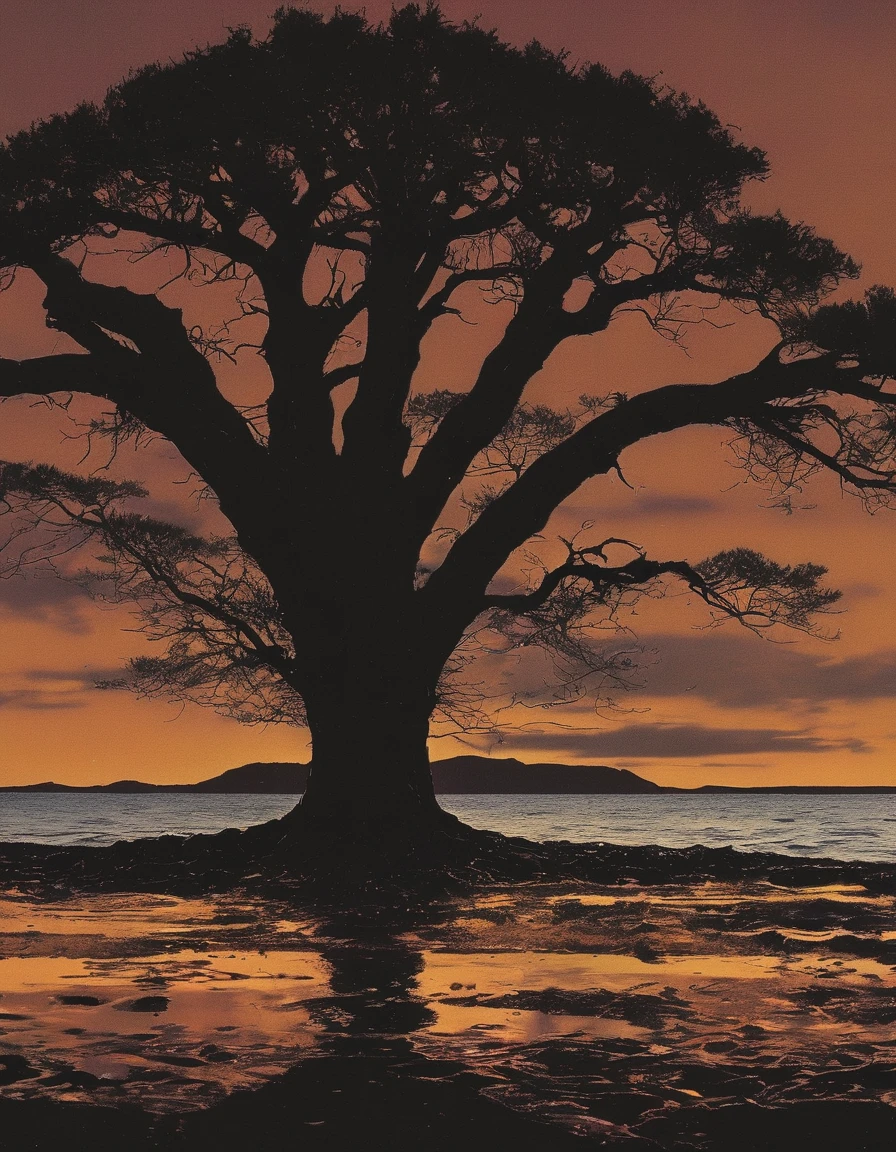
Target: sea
{"points": [[844, 827]]}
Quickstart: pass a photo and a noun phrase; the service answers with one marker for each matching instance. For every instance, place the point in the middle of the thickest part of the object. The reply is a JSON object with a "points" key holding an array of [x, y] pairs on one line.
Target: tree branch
{"points": [[340, 375], [437, 303], [271, 654], [228, 242], [739, 583], [163, 380], [540, 325], [66, 372], [524, 507]]}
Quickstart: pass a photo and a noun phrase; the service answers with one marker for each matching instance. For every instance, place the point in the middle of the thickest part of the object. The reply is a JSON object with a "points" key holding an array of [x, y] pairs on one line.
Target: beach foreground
{"points": [[742, 1014]]}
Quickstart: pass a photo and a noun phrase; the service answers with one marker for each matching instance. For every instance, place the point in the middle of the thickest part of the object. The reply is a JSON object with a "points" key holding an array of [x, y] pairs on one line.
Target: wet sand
{"points": [[711, 1015]]}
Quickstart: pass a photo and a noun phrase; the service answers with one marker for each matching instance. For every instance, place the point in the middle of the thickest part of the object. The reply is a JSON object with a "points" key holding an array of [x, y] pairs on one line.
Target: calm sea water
{"points": [[843, 827]]}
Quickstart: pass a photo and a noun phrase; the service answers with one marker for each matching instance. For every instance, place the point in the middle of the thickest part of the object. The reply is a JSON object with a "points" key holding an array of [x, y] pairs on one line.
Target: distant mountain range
{"points": [[459, 774]]}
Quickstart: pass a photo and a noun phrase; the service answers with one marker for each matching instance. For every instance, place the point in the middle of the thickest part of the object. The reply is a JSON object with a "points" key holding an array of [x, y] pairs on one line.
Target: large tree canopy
{"points": [[343, 189]]}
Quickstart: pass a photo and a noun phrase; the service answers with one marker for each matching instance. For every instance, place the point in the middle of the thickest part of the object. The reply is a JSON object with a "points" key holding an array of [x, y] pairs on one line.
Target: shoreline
{"points": [[816, 827], [259, 861]]}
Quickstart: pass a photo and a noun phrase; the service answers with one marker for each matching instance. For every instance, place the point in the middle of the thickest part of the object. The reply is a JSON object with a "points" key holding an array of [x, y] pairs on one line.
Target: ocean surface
{"points": [[858, 827]]}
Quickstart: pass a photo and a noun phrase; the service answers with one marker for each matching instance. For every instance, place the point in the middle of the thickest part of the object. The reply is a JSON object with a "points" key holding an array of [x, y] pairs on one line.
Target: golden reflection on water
{"points": [[224, 1020], [174, 1002], [723, 894], [119, 916], [514, 1025], [496, 972]]}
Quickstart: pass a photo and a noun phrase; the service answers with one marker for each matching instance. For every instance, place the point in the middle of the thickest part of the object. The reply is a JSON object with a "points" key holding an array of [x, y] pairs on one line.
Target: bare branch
{"points": [[738, 583], [202, 598], [524, 508]]}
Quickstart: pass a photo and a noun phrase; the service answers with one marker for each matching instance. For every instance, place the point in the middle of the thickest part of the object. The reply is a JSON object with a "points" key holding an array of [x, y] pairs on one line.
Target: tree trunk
{"points": [[370, 779], [369, 684]]}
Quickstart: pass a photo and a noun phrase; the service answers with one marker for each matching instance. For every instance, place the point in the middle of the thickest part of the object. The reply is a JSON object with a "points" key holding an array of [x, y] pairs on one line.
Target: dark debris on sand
{"points": [[383, 1101], [372, 1088], [272, 858]]}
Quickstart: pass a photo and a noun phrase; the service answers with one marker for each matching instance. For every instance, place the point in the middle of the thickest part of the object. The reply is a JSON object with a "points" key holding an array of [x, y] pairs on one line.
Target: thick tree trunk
{"points": [[369, 683], [370, 779]]}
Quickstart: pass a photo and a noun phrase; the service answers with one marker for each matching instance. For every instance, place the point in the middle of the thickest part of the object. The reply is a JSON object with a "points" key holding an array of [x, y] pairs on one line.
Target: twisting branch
{"points": [[775, 446], [523, 509], [739, 583], [336, 376], [163, 380], [201, 597], [65, 373], [438, 303]]}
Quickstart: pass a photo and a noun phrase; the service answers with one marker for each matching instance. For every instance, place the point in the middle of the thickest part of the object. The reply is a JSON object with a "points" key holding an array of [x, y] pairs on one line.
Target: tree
{"points": [[344, 188]]}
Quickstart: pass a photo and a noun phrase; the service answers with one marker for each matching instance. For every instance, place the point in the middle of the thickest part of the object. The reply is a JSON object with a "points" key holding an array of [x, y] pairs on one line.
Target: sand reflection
{"points": [[683, 994]]}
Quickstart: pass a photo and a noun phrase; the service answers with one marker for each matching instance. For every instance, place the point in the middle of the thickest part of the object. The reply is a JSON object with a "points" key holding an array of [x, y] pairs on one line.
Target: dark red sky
{"points": [[811, 81]]}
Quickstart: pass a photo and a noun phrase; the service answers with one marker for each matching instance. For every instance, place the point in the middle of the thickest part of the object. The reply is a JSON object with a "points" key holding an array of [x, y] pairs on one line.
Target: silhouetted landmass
{"points": [[273, 778], [480, 774], [466, 775], [283, 779], [460, 774]]}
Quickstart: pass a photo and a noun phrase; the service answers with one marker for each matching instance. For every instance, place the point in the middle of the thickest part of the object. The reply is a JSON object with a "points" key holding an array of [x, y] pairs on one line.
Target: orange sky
{"points": [[811, 82]]}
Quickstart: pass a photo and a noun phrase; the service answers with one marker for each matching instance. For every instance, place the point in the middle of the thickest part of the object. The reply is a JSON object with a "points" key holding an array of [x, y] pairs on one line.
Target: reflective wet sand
{"points": [[612, 1010]]}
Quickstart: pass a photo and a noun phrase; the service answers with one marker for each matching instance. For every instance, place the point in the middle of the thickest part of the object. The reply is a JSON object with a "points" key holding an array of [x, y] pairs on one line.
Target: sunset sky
{"points": [[810, 81]]}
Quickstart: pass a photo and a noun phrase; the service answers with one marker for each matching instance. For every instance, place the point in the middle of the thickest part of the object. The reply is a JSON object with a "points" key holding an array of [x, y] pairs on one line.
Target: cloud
{"points": [[47, 690], [653, 504], [658, 504], [752, 764], [37, 700], [740, 670], [675, 741], [84, 677], [45, 599], [726, 667], [861, 590]]}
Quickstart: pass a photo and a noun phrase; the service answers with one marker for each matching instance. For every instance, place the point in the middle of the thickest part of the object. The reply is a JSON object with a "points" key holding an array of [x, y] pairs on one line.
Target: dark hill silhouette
{"points": [[470, 775], [282, 778], [465, 774], [480, 774], [249, 778]]}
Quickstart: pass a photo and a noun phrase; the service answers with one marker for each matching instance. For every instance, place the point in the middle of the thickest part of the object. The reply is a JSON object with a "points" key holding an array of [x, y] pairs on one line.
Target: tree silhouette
{"points": [[343, 188]]}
